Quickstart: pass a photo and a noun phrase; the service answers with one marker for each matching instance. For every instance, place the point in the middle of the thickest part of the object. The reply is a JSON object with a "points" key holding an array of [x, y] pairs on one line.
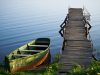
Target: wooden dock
{"points": [[76, 46]]}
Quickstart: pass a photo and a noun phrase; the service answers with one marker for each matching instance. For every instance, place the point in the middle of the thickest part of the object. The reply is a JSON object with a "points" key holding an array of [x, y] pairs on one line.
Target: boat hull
{"points": [[33, 65]]}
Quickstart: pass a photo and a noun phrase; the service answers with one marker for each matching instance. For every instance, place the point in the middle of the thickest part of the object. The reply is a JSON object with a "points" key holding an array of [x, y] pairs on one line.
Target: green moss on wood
{"points": [[12, 64]]}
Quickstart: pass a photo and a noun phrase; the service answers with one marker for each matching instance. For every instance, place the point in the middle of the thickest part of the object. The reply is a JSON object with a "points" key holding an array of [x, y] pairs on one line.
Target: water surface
{"points": [[23, 21]]}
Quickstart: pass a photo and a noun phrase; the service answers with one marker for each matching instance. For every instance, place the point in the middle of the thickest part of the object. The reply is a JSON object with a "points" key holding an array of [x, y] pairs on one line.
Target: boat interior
{"points": [[32, 49]]}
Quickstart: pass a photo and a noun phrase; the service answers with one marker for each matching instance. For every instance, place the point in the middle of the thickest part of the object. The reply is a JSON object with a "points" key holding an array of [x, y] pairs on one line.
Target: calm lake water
{"points": [[23, 21]]}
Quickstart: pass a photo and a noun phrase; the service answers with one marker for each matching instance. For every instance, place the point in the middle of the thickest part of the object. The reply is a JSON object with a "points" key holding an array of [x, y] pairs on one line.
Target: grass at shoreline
{"points": [[49, 70], [93, 69], [52, 69]]}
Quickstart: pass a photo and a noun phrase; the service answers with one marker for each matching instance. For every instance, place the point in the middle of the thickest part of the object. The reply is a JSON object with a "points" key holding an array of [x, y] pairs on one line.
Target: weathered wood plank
{"points": [[38, 45], [20, 55], [76, 60], [74, 38], [64, 70], [31, 50], [76, 48], [76, 57], [42, 42], [78, 54]]}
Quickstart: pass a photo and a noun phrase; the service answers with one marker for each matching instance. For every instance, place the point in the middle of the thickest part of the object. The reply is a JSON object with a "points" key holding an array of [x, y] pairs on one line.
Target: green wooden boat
{"points": [[28, 56]]}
